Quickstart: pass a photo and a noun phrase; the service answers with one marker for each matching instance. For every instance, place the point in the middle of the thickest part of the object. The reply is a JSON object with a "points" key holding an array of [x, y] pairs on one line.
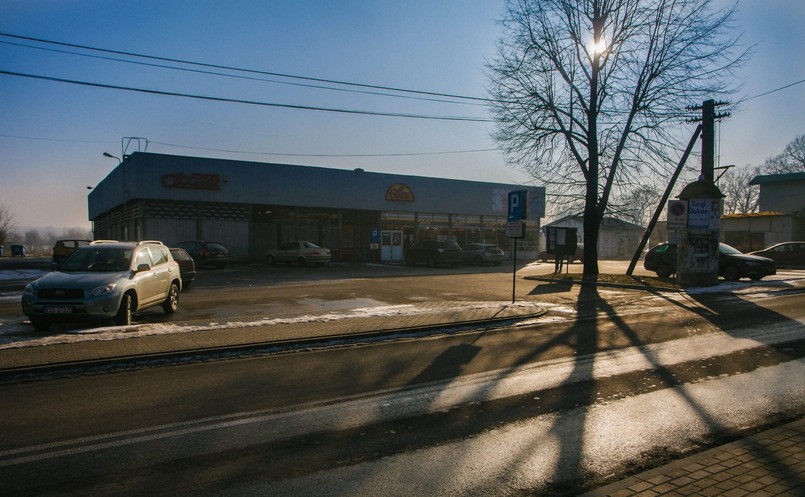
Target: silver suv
{"points": [[105, 280]]}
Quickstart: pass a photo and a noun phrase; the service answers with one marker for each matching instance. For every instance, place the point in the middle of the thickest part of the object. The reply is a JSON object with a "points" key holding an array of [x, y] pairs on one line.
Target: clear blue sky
{"points": [[52, 135]]}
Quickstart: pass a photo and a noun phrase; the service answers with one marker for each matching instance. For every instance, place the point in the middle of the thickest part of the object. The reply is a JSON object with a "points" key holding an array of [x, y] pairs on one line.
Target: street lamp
{"points": [[107, 154]]}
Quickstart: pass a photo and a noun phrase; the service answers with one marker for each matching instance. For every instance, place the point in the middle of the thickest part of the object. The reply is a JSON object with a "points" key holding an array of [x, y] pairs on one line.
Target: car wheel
{"points": [[172, 301], [756, 277], [301, 261], [123, 317], [270, 260], [731, 273], [479, 261], [40, 324], [663, 270]]}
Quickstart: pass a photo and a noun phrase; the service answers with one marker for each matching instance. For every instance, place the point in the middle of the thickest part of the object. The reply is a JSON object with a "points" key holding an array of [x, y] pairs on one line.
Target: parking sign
{"points": [[517, 205]]}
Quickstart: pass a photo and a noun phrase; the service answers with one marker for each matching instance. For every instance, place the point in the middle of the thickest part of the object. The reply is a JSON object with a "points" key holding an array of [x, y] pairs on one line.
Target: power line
{"points": [[237, 76], [276, 154], [247, 102], [253, 71], [774, 90]]}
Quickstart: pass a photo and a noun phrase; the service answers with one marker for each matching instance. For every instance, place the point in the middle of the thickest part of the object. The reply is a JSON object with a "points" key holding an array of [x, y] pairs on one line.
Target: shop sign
{"points": [[399, 193], [704, 213], [194, 181]]}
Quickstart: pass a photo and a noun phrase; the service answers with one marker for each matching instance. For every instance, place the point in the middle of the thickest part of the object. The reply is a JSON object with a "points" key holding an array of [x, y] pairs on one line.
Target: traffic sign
{"points": [[515, 229], [677, 214], [518, 208]]}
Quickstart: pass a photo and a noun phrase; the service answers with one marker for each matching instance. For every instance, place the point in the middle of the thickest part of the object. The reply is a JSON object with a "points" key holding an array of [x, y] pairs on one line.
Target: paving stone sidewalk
{"points": [[122, 344], [766, 464]]}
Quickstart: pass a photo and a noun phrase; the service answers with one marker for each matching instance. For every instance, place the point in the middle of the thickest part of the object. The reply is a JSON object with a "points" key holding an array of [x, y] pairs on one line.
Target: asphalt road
{"points": [[536, 407]]}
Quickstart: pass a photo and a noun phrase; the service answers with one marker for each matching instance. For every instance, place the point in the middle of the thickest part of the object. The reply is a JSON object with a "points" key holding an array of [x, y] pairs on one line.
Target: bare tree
{"points": [[741, 197], [792, 160], [589, 94], [7, 225]]}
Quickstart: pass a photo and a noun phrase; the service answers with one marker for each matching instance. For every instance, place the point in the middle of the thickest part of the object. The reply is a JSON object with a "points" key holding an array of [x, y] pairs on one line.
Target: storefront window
{"points": [[466, 229], [433, 226]]}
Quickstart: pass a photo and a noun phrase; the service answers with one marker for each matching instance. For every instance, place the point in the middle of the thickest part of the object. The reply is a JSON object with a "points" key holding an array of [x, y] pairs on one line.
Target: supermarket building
{"points": [[252, 207]]}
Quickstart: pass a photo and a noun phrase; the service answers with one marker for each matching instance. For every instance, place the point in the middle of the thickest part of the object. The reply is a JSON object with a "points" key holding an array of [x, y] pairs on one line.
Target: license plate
{"points": [[58, 310]]}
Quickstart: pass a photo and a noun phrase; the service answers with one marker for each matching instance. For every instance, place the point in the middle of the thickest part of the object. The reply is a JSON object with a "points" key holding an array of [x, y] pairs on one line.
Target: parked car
{"points": [[206, 253], [578, 255], [18, 251], [482, 253], [63, 248], [732, 263], [788, 254], [434, 252], [105, 281], [300, 252], [187, 268]]}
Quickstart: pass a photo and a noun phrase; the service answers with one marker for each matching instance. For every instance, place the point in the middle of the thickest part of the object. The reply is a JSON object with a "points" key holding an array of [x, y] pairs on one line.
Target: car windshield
{"points": [[726, 249], [98, 259], [310, 245]]}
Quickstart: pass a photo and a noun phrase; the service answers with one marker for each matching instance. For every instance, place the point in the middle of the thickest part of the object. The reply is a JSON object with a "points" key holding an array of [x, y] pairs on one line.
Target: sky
{"points": [[53, 134]]}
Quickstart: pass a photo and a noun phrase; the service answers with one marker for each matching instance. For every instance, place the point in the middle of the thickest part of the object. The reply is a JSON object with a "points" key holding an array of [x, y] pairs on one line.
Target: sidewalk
{"points": [[769, 463], [290, 330]]}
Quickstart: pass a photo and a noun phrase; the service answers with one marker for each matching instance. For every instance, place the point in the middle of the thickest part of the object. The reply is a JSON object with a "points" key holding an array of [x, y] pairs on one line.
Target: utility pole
{"points": [[708, 119]]}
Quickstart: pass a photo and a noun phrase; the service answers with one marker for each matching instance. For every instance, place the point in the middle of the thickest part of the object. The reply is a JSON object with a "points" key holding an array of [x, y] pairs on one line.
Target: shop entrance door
{"points": [[391, 246]]}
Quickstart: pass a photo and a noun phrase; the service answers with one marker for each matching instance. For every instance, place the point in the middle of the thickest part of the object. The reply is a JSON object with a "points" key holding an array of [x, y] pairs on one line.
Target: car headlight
{"points": [[29, 290], [102, 290]]}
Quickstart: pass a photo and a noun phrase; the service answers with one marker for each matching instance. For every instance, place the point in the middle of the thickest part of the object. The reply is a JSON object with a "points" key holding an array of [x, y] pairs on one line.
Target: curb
{"points": [[267, 347]]}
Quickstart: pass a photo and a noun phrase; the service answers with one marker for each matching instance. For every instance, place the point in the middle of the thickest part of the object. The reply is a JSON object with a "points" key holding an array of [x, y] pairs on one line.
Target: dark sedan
{"points": [[206, 253], [434, 252], [786, 254], [187, 268], [732, 263]]}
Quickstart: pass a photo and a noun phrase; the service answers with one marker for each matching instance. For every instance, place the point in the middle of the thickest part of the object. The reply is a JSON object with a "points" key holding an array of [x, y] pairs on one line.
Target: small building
{"points": [[781, 217], [252, 207], [617, 239]]}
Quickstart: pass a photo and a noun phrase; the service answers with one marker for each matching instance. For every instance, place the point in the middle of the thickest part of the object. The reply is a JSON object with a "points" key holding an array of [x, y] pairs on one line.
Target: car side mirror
{"points": [[143, 267]]}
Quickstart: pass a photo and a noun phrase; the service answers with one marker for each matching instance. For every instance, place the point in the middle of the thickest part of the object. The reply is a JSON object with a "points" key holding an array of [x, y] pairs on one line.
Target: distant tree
{"points": [[34, 241], [792, 160], [741, 197], [7, 226], [637, 205], [588, 94]]}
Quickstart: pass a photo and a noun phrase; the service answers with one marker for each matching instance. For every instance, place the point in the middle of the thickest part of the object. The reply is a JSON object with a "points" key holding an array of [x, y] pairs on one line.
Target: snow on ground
{"points": [[14, 334]]}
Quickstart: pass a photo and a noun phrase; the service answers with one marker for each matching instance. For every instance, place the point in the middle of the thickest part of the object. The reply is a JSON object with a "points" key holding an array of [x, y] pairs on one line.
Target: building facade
{"points": [[781, 217], [252, 207], [617, 239]]}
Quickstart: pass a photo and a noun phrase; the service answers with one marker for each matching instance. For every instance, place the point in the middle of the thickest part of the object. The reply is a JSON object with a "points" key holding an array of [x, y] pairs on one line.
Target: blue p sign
{"points": [[517, 205]]}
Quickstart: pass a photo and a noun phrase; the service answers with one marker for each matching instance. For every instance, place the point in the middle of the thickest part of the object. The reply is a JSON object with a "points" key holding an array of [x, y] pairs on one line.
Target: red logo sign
{"points": [[194, 181]]}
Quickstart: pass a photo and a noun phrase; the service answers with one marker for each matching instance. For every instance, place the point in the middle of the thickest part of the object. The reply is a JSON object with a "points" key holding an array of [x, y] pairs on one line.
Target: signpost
{"points": [[515, 228]]}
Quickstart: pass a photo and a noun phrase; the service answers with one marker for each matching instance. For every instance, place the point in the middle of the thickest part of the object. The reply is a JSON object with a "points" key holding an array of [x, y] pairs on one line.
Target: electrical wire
{"points": [[247, 102], [237, 76], [253, 71], [276, 154]]}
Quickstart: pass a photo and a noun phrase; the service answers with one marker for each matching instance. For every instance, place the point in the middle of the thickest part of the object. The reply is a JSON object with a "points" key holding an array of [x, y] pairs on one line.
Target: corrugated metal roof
{"points": [[777, 178]]}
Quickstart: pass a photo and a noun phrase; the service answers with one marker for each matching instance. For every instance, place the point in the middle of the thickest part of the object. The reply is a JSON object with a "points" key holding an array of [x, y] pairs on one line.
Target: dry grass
{"points": [[643, 282]]}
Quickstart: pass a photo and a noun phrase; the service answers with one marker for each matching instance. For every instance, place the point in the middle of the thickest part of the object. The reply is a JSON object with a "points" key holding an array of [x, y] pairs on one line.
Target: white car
{"points": [[300, 252]]}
